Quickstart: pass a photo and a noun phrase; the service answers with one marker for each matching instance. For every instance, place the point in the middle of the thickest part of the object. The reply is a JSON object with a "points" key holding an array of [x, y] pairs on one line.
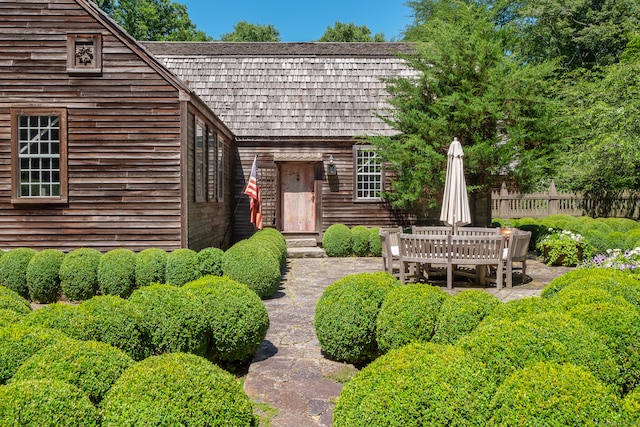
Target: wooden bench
{"points": [[422, 250]]}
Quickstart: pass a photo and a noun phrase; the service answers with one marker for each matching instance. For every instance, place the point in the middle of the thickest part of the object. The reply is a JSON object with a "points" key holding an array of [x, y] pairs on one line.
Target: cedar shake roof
{"points": [[290, 89]]}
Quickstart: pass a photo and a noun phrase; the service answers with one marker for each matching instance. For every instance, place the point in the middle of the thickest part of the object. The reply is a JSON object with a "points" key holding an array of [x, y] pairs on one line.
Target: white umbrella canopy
{"points": [[455, 204]]}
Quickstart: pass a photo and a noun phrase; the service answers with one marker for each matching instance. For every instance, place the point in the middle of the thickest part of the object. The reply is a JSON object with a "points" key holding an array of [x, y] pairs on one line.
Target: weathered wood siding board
{"points": [[124, 132]]}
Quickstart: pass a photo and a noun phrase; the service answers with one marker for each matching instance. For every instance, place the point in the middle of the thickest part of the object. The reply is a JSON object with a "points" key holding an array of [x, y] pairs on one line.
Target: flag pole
{"points": [[235, 210]]}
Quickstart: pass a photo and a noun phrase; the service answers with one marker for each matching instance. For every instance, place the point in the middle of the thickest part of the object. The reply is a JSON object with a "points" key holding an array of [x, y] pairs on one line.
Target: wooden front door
{"points": [[298, 190]]}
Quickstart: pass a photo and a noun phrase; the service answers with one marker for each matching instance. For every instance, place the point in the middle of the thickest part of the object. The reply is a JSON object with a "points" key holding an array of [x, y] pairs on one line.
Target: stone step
{"points": [[302, 242], [305, 252]]}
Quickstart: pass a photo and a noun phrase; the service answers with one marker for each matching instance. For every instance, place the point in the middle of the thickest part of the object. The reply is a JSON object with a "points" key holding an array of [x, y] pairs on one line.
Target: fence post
{"points": [[504, 201], [554, 200]]}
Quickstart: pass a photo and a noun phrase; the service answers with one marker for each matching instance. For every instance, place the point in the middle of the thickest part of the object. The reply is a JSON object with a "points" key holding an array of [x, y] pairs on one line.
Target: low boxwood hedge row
{"points": [[253, 263], [11, 300], [151, 265], [13, 270], [79, 273], [182, 267], [43, 276], [117, 272], [64, 317]]}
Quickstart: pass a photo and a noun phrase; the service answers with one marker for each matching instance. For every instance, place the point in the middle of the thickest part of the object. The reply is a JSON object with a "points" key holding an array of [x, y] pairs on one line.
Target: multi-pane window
{"points": [[200, 173], [220, 179], [39, 155], [368, 174], [211, 164]]}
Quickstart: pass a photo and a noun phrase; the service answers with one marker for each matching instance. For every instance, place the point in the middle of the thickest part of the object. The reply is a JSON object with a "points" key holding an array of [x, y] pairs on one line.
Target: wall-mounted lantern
{"points": [[331, 168]]}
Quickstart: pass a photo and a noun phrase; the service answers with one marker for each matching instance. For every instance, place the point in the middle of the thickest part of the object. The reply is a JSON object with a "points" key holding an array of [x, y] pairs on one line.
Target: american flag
{"points": [[253, 191]]}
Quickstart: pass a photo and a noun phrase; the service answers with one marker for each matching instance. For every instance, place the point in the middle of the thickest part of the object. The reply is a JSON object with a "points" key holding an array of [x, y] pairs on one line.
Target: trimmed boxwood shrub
{"points": [[506, 346], [345, 316], [79, 273], [115, 322], [46, 403], [274, 240], [631, 407], [182, 266], [408, 314], [177, 389], [9, 317], [236, 317], [375, 245], [360, 240], [210, 262], [250, 263], [65, 318], [91, 366], [516, 310], [151, 265], [417, 385], [19, 342], [43, 276], [170, 319], [117, 272], [550, 394], [13, 270], [336, 241], [461, 314], [11, 300]]}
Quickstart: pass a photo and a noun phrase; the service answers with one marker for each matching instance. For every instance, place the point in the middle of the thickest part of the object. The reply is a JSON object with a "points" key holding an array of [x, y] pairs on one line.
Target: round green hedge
{"points": [[631, 407], [43, 276], [276, 240], [461, 314], [170, 319], [11, 300], [115, 321], [91, 366], [46, 403], [210, 262], [516, 310], [375, 245], [177, 389], [9, 317], [252, 264], [336, 241], [506, 346], [117, 272], [550, 394], [19, 342], [360, 240], [65, 318], [408, 314], [346, 313], [13, 270], [421, 384], [237, 318], [79, 274], [182, 266], [151, 265]]}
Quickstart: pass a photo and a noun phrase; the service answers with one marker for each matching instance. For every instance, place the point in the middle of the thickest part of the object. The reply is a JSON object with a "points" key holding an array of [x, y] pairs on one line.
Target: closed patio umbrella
{"points": [[455, 204]]}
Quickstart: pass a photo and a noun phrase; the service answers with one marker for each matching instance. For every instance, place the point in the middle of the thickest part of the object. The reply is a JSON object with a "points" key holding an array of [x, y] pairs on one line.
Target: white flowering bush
{"points": [[616, 258], [564, 247]]}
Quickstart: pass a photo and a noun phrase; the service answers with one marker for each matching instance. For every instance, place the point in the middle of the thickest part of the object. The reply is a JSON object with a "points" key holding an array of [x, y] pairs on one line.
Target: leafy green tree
{"points": [[246, 32], [160, 20], [350, 32], [601, 112], [465, 87]]}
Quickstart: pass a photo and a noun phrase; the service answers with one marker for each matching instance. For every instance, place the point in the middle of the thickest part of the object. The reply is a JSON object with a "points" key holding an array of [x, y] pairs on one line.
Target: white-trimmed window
{"points": [[368, 175], [211, 164], [39, 155]]}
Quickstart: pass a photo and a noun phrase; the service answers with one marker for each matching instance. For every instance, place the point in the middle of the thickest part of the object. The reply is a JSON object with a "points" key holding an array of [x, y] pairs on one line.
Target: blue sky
{"points": [[299, 21]]}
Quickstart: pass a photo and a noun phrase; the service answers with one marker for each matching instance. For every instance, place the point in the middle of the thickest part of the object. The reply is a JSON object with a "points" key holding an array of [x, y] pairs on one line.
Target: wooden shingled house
{"points": [[300, 107], [100, 145]]}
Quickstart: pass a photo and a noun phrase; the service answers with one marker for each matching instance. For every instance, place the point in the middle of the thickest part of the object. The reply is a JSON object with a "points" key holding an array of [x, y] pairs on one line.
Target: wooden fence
{"points": [[505, 204]]}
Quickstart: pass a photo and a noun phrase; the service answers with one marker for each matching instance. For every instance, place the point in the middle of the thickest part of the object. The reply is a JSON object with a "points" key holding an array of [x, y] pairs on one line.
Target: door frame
{"points": [[317, 189]]}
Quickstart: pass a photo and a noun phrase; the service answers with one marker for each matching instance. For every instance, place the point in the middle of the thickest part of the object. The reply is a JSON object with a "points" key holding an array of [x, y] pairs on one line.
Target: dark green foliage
{"points": [[65, 318], [170, 319], [151, 265], [253, 264], [360, 240], [461, 314], [117, 272], [408, 314], [11, 300], [236, 318], [506, 346], [46, 403], [182, 267], [337, 241], [415, 386], [345, 316], [115, 322], [210, 262], [91, 366], [43, 276], [19, 342], [538, 231], [13, 270], [9, 317], [551, 394], [177, 389], [79, 273], [375, 246]]}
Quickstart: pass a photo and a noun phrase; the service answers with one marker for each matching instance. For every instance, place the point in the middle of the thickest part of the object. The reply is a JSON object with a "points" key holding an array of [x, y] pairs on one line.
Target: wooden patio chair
{"points": [[390, 251], [419, 251], [431, 230], [516, 252], [481, 252], [477, 231]]}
